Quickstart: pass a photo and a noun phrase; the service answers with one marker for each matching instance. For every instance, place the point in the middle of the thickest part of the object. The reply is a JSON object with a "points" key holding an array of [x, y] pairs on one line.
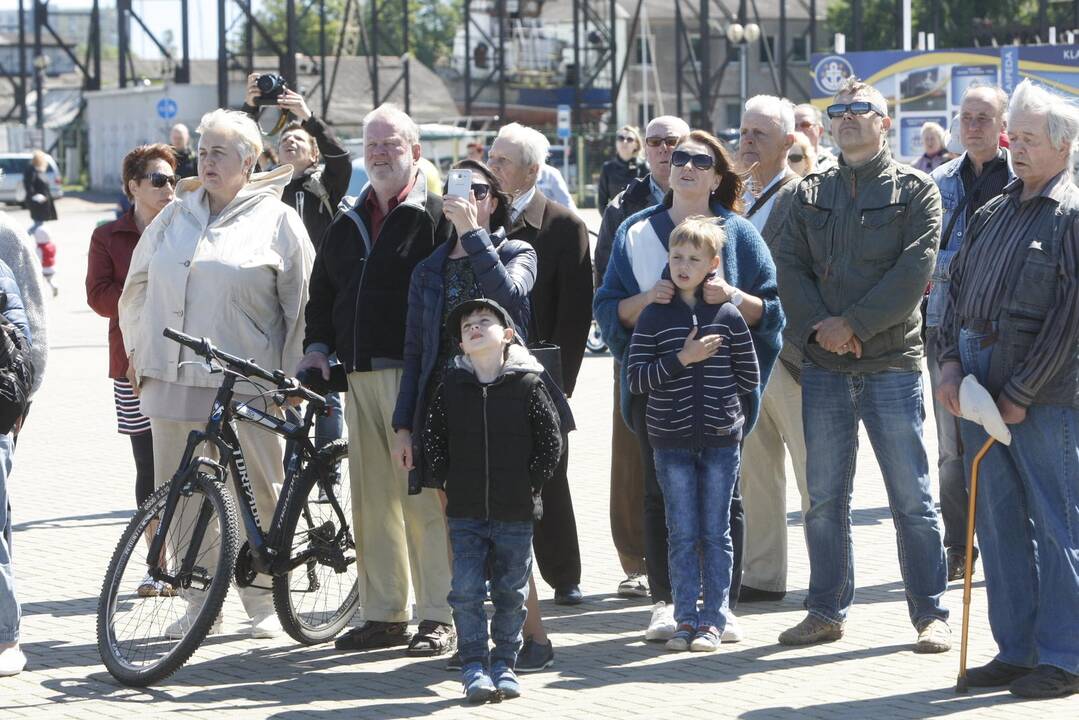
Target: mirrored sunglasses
{"points": [[702, 161], [862, 107]]}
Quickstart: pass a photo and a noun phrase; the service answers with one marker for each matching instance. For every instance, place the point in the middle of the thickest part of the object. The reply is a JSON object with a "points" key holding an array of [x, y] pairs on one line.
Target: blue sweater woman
{"points": [[747, 265]]}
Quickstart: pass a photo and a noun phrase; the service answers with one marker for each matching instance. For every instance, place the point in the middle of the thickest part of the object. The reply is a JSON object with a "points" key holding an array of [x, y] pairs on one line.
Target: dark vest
{"points": [[490, 444], [1032, 293]]}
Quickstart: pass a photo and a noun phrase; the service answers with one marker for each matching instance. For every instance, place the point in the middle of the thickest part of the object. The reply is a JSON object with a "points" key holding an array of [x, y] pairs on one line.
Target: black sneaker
{"points": [[535, 656], [957, 563], [454, 663], [374, 634], [568, 596]]}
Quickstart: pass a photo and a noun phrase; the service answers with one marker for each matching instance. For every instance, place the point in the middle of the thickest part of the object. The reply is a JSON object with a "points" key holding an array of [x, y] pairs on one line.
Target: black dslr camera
{"points": [[271, 86]]}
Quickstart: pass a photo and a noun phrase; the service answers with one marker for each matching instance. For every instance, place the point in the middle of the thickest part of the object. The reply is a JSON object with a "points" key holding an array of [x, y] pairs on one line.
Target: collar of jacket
{"points": [[417, 196], [518, 360], [872, 169], [955, 165], [191, 195], [1056, 189], [533, 213]]}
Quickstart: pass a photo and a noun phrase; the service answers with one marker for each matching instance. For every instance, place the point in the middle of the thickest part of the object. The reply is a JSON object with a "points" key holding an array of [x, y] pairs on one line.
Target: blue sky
{"points": [[159, 15]]}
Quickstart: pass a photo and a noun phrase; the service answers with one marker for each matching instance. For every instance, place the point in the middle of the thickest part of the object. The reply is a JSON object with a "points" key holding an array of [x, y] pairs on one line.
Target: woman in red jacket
{"points": [[149, 177]]}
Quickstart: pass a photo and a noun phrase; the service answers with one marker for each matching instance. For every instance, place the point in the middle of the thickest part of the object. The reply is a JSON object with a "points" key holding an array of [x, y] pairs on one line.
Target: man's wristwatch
{"points": [[736, 297]]}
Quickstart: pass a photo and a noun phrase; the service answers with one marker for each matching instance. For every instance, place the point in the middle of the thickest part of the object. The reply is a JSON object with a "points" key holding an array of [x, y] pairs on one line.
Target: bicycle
{"points": [[195, 525]]}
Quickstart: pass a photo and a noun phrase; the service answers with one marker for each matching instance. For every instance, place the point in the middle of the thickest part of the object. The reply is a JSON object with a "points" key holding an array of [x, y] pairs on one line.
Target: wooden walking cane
{"points": [[961, 682]]}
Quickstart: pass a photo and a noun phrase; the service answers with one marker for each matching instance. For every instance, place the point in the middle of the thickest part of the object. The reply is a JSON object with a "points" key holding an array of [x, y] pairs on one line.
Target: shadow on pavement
{"points": [[928, 703], [120, 516]]}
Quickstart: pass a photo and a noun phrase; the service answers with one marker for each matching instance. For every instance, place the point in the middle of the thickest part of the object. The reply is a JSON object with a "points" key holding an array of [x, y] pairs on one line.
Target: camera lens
{"points": [[267, 83]]}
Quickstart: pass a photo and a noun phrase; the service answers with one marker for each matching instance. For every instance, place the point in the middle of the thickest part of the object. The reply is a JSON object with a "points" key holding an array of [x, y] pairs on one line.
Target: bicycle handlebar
{"points": [[289, 385]]}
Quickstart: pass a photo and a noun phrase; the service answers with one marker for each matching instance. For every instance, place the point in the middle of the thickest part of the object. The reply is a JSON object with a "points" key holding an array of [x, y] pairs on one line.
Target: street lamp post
{"points": [[743, 36], [41, 64]]}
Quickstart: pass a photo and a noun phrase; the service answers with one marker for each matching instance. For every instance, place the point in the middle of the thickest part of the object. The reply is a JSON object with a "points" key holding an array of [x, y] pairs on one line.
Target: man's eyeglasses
{"points": [[625, 138], [796, 158], [670, 141], [702, 161], [862, 107], [158, 180]]}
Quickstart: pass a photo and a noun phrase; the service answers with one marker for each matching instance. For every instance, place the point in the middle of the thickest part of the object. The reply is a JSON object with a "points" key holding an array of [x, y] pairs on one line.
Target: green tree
{"points": [[432, 26], [272, 17], [961, 23]]}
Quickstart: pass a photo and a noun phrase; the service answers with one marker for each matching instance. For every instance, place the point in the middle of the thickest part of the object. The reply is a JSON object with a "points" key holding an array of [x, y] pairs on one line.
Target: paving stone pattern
{"points": [[73, 491]]}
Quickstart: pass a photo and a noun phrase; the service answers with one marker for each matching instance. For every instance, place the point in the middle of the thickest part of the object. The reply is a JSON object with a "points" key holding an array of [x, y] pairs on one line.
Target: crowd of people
{"points": [[760, 306]]}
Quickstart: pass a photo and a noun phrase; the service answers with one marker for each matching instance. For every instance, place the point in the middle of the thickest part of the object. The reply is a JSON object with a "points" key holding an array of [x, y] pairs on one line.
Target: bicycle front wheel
{"points": [[318, 597], [146, 629]]}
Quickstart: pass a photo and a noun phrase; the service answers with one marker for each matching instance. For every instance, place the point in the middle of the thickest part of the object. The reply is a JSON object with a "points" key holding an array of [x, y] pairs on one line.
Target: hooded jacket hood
{"points": [[518, 360], [191, 195]]}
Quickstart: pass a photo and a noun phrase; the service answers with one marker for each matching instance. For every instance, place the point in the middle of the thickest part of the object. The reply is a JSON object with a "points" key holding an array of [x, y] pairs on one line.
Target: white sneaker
{"points": [[180, 627], [662, 624], [12, 661], [732, 633], [266, 627]]}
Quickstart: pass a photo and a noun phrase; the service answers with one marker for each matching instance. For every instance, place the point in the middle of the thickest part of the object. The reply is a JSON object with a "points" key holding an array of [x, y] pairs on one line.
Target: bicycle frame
{"points": [[221, 433]]}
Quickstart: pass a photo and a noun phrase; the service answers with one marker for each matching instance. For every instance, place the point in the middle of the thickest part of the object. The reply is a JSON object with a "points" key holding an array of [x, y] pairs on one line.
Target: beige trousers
{"points": [[764, 481], [263, 454], [398, 536]]}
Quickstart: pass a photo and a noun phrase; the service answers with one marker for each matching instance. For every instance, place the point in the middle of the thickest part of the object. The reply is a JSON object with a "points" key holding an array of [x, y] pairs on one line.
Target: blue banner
{"points": [[1009, 68]]}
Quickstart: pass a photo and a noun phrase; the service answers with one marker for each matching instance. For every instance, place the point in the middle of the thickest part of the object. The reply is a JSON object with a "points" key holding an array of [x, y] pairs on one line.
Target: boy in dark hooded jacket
{"points": [[492, 439]]}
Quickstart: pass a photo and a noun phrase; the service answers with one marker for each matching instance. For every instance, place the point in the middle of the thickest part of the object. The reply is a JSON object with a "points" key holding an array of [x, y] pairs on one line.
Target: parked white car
{"points": [[12, 166]]}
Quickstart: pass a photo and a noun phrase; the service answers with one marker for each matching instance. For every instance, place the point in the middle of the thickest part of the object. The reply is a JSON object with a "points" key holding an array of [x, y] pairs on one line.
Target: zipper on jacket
{"points": [[486, 460]]}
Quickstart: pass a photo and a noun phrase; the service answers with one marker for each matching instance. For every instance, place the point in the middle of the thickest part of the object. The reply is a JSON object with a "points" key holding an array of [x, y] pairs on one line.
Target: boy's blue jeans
{"points": [[697, 489], [9, 605], [1028, 527], [891, 407], [507, 546]]}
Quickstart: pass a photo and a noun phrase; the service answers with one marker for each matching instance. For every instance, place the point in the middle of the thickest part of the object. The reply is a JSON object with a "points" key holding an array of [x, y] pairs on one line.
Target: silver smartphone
{"points": [[459, 183]]}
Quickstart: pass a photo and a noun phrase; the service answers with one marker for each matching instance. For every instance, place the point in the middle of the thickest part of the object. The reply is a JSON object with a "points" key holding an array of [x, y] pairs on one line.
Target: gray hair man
{"points": [[966, 184], [807, 119], [767, 133], [186, 157], [561, 314], [855, 255], [358, 306], [1012, 321], [627, 468]]}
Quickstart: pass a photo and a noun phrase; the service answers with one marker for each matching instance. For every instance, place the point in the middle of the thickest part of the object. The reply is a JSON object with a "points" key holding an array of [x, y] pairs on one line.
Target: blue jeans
{"points": [[507, 548], [697, 489], [1028, 527], [10, 612], [890, 406]]}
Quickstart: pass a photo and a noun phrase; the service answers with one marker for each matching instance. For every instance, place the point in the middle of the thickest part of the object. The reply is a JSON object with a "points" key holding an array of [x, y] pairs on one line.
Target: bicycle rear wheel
{"points": [[147, 631], [318, 597]]}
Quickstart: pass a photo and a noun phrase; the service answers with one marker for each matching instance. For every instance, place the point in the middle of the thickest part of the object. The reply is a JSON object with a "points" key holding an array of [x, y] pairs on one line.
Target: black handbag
{"points": [[550, 357]]}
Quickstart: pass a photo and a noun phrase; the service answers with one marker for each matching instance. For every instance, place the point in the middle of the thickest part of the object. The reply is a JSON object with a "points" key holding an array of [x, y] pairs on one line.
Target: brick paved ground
{"points": [[73, 492]]}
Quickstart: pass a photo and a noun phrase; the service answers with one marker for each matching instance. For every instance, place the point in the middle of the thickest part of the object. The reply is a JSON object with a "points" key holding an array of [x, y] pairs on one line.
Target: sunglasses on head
{"points": [[158, 180], [670, 141], [796, 158], [702, 161], [625, 138], [862, 107]]}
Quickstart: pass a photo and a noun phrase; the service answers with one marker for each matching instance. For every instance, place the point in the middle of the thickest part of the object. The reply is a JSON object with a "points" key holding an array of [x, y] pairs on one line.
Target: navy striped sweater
{"points": [[698, 405]]}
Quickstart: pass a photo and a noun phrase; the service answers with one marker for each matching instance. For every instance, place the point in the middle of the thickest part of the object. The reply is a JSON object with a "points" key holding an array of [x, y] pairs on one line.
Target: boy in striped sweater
{"points": [[694, 360]]}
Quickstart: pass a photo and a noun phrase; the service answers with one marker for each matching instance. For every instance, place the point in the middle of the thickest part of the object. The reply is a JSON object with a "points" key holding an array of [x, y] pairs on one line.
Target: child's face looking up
{"points": [[690, 265], [482, 330]]}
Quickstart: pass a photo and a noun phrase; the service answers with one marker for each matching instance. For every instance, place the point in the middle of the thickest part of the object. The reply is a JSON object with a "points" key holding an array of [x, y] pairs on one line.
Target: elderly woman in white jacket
{"points": [[229, 261]]}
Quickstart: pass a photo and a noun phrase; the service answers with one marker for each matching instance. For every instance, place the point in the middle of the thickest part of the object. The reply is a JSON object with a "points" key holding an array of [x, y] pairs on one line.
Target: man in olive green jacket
{"points": [[854, 259]]}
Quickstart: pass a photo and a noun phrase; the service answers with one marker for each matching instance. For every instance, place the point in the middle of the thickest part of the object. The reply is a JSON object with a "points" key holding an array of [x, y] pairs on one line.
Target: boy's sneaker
{"points": [[505, 680], [732, 631], [12, 661], [477, 683], [633, 587], [681, 638], [662, 624], [707, 639], [535, 656]]}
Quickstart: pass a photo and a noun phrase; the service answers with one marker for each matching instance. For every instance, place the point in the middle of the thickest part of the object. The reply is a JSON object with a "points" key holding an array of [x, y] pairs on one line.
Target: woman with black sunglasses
{"points": [[148, 174], [703, 183], [623, 168]]}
